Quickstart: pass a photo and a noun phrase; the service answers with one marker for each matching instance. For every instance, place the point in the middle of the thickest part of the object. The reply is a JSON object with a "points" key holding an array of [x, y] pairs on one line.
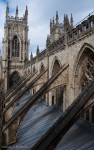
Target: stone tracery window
{"points": [[15, 47], [88, 71], [84, 75]]}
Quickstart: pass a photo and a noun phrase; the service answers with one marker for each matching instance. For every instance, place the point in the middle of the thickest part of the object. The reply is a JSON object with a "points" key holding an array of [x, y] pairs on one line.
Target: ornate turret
{"points": [[7, 10], [57, 18], [16, 15]]}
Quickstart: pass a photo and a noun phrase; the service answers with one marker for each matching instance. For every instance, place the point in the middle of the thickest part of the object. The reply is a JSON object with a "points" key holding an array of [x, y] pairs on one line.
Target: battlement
{"points": [[11, 18], [81, 29]]}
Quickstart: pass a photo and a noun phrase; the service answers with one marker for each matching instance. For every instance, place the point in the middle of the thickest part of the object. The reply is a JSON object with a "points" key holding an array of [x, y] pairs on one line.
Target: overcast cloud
{"points": [[40, 12]]}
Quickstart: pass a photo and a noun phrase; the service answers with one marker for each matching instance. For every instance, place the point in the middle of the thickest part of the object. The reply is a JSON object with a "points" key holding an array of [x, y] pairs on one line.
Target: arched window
{"points": [[84, 75], [56, 67], [87, 73], [14, 78], [58, 92], [15, 47], [42, 68]]}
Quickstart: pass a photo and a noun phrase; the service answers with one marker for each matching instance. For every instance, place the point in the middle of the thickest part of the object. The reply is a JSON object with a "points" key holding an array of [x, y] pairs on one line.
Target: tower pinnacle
{"points": [[53, 21], [7, 10], [71, 21], [51, 25], [37, 50], [26, 13], [16, 15], [57, 18]]}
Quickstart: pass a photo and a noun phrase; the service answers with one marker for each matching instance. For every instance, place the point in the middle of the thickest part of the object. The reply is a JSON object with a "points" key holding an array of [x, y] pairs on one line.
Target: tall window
{"points": [[15, 47]]}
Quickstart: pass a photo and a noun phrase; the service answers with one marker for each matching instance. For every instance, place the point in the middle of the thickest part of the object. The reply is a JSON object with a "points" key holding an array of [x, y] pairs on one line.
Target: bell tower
{"points": [[15, 44]]}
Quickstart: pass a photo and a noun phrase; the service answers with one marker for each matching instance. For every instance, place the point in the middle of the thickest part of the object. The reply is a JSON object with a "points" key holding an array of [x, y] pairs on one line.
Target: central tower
{"points": [[15, 46]]}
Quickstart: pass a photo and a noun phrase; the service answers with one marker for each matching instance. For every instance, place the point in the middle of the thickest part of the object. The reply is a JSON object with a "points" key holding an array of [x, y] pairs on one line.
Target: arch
{"points": [[42, 68], [14, 78], [15, 46], [82, 50], [56, 65], [57, 94], [85, 51], [84, 70]]}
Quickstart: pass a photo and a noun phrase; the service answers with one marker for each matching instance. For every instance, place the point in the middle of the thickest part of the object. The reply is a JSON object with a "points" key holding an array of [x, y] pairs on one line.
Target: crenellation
{"points": [[80, 30], [56, 45]]}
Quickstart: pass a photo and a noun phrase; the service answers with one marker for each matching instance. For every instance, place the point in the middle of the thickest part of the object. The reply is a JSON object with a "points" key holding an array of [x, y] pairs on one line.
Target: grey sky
{"points": [[40, 12]]}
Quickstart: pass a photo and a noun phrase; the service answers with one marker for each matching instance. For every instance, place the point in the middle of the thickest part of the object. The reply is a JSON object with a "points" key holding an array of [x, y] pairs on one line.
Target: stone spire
{"points": [[31, 56], [71, 21], [67, 20], [53, 21], [64, 20], [51, 25], [16, 15], [7, 10], [26, 13], [37, 50], [57, 18]]}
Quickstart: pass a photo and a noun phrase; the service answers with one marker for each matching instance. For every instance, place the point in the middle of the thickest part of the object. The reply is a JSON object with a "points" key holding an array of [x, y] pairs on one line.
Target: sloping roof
{"points": [[40, 118]]}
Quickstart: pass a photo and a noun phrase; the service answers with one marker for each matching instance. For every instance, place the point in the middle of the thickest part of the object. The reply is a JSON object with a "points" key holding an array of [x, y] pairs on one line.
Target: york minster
{"points": [[47, 95]]}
